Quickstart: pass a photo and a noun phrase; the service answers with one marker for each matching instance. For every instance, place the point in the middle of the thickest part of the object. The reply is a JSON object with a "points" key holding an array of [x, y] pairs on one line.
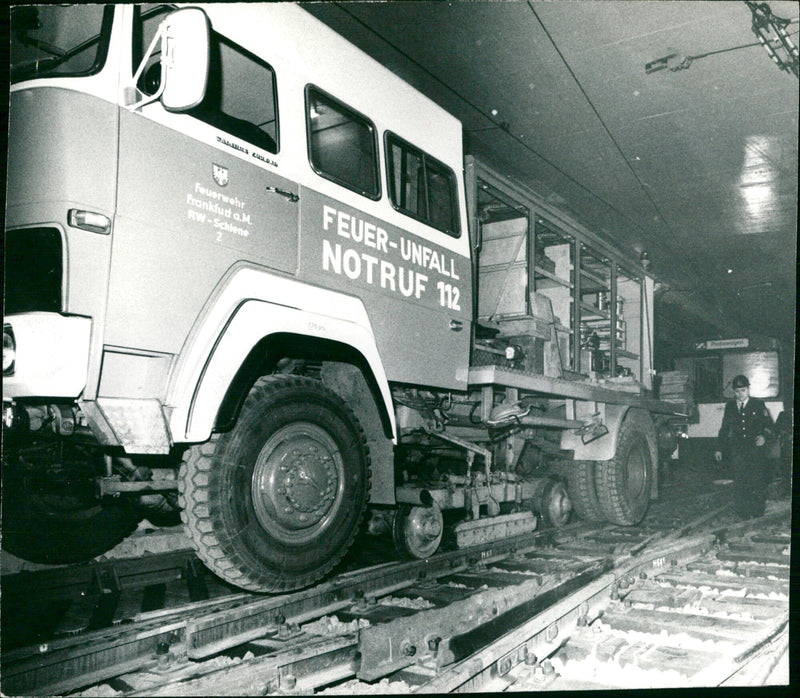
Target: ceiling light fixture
{"points": [[503, 126], [752, 287]]}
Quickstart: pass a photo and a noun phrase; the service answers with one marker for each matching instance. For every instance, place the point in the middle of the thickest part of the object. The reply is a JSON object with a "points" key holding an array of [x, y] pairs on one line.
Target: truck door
{"points": [[197, 193], [415, 289]]}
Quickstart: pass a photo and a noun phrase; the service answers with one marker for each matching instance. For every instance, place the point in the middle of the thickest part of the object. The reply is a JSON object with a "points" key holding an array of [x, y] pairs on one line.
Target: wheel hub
{"points": [[421, 530], [296, 480], [557, 505], [309, 480]]}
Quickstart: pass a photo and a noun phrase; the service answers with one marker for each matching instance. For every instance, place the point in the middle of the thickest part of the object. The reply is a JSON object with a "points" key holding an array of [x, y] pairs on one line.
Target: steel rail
{"points": [[293, 669], [543, 634], [72, 663], [323, 661], [167, 639]]}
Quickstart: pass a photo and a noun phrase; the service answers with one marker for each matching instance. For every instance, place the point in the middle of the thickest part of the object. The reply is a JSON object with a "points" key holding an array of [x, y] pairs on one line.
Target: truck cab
{"points": [[254, 283]]}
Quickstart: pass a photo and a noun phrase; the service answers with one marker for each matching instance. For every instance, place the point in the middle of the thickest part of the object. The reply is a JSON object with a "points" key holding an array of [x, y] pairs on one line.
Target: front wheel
{"points": [[51, 513], [276, 502]]}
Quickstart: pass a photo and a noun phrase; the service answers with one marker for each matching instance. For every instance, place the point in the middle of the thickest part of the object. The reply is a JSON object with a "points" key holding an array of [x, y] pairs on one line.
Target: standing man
{"points": [[746, 426]]}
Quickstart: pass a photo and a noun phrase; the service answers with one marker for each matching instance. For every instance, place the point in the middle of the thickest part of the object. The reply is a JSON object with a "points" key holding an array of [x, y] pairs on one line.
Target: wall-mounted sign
{"points": [[740, 343]]}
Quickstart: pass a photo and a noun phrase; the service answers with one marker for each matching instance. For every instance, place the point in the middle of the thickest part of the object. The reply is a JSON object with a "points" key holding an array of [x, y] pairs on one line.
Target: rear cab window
{"points": [[420, 186], [342, 144]]}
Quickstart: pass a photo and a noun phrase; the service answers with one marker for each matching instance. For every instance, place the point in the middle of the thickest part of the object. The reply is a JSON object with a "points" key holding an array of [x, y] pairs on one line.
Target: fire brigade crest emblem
{"points": [[220, 174]]}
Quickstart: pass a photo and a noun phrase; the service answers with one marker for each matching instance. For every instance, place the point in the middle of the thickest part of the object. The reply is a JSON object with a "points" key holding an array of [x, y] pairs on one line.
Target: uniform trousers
{"points": [[750, 480]]}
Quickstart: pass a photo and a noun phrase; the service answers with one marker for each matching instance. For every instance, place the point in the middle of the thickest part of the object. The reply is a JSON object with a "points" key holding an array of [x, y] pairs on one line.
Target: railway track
{"points": [[708, 609], [568, 608]]}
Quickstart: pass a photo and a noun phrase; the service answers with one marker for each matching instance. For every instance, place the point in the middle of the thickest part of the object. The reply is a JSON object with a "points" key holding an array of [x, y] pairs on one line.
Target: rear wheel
{"points": [[276, 502], [625, 481], [583, 491]]}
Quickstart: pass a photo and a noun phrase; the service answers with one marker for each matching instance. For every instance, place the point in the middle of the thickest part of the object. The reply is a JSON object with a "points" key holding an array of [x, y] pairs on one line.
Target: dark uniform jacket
{"points": [[739, 431]]}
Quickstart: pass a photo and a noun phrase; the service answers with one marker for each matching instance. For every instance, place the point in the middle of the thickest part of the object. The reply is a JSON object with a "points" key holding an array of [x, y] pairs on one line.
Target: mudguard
{"points": [[249, 306], [605, 447]]}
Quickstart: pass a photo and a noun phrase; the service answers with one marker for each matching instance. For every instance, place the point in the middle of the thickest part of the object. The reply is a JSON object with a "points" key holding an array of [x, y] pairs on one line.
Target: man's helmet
{"points": [[741, 382]]}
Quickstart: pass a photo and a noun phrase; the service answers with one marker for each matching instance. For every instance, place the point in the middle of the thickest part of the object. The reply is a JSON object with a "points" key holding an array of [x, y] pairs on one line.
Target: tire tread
{"points": [[610, 474], [201, 518], [582, 491]]}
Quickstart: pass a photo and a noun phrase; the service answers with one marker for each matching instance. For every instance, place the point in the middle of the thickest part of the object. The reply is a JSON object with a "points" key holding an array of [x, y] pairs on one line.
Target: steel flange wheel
{"points": [[417, 531], [556, 505]]}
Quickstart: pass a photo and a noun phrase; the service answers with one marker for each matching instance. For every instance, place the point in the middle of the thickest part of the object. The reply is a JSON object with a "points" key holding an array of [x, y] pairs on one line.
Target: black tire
{"points": [[624, 483], [61, 522], [276, 502], [583, 491]]}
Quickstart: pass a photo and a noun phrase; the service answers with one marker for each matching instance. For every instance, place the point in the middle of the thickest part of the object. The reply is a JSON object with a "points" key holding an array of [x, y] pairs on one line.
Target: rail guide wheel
{"points": [[417, 530], [555, 505]]}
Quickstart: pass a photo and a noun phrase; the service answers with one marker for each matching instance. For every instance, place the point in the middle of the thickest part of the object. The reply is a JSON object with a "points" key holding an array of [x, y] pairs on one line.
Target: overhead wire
{"points": [[504, 127], [644, 188], [684, 62]]}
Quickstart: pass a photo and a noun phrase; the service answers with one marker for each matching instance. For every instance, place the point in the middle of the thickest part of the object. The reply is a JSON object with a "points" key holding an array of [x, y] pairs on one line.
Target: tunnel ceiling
{"points": [[693, 160]]}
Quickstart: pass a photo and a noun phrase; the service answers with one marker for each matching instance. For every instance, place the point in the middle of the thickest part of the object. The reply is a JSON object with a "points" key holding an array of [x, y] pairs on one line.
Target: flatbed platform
{"points": [[496, 376]]}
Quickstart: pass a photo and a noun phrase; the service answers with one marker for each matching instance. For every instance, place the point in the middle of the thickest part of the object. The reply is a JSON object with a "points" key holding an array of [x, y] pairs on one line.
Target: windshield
{"points": [[713, 375], [58, 40]]}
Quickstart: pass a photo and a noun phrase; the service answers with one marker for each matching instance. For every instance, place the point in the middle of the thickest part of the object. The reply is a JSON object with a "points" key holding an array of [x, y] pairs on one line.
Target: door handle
{"points": [[288, 195], [456, 325]]}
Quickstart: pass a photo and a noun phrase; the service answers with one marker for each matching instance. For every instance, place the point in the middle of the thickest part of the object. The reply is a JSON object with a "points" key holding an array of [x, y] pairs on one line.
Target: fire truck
{"points": [[254, 284]]}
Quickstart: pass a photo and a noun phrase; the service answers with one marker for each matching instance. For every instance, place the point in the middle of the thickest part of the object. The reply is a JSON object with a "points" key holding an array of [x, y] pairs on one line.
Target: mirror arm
{"points": [[140, 70]]}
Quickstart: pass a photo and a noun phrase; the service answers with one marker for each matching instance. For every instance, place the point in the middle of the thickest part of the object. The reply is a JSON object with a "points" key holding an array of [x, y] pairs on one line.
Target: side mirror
{"points": [[185, 58]]}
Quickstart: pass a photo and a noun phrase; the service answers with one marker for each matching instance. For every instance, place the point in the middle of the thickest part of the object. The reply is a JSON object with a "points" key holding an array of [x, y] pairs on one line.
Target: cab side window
{"points": [[241, 97], [341, 144], [420, 186]]}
